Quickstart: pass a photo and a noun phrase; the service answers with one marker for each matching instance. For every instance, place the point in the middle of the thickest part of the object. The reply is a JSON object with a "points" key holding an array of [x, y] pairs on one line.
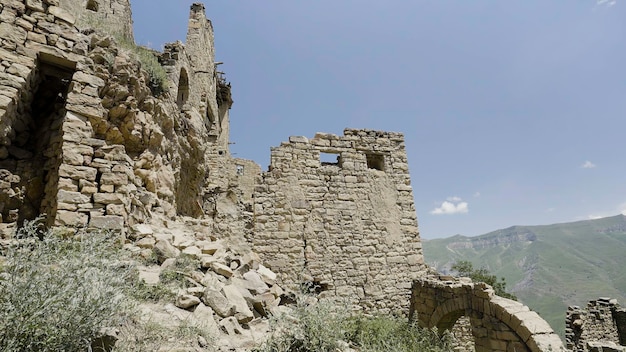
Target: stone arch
{"points": [[497, 323], [183, 88], [445, 316]]}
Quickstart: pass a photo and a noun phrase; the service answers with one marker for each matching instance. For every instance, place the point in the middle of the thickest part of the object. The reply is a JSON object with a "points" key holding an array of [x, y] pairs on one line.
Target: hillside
{"points": [[548, 267]]}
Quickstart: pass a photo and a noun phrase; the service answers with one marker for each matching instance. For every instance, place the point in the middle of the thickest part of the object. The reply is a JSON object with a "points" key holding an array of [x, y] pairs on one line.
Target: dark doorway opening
{"points": [[34, 153]]}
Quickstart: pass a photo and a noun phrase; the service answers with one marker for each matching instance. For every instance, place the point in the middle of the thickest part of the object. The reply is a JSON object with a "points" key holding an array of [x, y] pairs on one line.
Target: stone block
{"points": [[186, 301], [108, 198], [164, 250], [218, 302], [78, 172], [62, 14], [114, 178], [72, 197], [243, 314], [70, 218], [268, 276], [116, 209], [12, 33], [222, 269], [107, 222]]}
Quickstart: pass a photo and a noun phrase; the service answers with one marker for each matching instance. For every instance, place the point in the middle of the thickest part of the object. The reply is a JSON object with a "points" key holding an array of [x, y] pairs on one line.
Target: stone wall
{"points": [[114, 15], [82, 137], [348, 225], [599, 326]]}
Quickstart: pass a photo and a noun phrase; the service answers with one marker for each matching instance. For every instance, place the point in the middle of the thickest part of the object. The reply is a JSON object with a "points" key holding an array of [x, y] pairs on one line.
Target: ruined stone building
{"points": [[97, 132]]}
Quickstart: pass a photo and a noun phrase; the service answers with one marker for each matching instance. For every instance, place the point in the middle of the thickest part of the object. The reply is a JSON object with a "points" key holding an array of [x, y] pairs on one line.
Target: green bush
{"points": [[328, 327], [57, 294], [465, 268], [149, 62]]}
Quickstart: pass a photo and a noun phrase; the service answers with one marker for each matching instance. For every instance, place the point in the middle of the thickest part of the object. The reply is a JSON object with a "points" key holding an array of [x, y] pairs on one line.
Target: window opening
{"points": [[330, 159], [183, 88], [375, 161], [92, 5]]}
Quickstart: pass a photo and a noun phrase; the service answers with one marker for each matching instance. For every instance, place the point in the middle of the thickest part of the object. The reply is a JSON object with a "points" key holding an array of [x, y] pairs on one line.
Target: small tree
{"points": [[465, 268]]}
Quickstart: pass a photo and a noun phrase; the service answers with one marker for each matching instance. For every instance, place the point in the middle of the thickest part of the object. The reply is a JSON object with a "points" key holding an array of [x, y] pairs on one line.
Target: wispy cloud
{"points": [[454, 205], [477, 194], [588, 165], [620, 209], [607, 3]]}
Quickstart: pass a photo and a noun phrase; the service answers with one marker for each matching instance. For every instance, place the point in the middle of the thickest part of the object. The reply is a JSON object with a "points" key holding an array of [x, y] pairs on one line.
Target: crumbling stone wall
{"points": [[348, 226], [114, 15], [599, 326], [497, 323], [103, 150]]}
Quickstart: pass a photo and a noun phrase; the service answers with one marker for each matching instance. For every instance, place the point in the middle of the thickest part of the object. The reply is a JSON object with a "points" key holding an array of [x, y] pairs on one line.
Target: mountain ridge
{"points": [[549, 267]]}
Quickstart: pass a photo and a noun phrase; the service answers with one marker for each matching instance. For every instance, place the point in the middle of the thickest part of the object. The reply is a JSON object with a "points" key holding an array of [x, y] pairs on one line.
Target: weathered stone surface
{"points": [[72, 197], [71, 218], [78, 172], [108, 222], [218, 302], [62, 14], [186, 301], [243, 314], [268, 276], [222, 269], [164, 250], [496, 323]]}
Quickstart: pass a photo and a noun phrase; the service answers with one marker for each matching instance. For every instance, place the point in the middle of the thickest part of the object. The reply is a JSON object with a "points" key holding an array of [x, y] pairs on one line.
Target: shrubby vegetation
{"points": [[324, 326], [57, 293], [465, 268], [157, 77]]}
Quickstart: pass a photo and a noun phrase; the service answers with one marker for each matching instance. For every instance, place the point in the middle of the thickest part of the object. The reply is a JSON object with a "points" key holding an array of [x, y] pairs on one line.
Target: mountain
{"points": [[548, 267]]}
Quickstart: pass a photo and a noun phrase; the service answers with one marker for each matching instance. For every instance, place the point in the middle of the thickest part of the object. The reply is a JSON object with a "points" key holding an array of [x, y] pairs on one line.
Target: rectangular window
{"points": [[330, 158], [375, 161]]}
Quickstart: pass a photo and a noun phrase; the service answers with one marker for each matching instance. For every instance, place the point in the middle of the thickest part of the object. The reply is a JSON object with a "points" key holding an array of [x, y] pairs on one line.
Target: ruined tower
{"points": [[346, 226]]}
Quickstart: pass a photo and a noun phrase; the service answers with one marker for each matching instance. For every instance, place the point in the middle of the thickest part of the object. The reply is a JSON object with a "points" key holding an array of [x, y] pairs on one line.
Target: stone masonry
{"points": [[347, 226], [496, 323], [601, 326], [96, 132], [112, 152]]}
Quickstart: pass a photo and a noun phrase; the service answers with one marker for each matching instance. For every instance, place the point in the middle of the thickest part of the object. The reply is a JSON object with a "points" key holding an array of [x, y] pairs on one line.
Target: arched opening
{"points": [[92, 5], [183, 88]]}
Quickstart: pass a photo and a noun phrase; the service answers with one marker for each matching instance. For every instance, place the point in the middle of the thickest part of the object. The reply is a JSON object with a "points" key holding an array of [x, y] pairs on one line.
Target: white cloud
{"points": [[550, 210], [595, 217], [454, 205], [607, 3], [477, 194], [588, 165]]}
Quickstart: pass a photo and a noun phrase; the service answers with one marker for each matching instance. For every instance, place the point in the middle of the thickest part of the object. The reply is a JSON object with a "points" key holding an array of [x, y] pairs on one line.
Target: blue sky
{"points": [[513, 111]]}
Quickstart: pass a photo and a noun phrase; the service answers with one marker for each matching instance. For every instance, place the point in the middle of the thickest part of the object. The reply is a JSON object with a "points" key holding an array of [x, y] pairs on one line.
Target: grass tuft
{"points": [[57, 293], [325, 326]]}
